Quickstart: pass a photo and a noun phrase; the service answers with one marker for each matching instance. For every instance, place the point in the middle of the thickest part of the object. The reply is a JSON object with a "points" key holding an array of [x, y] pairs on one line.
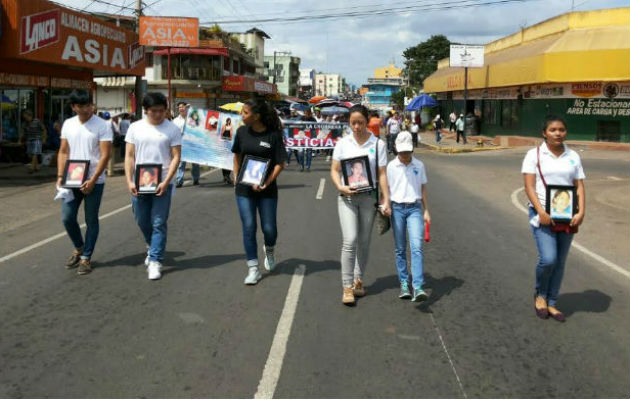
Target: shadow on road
{"points": [[295, 186], [204, 262], [135, 260], [382, 284], [587, 301], [438, 288], [289, 266]]}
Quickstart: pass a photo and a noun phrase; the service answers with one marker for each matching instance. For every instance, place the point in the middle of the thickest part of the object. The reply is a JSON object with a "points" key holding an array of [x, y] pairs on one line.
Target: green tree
{"points": [[421, 60], [398, 99]]}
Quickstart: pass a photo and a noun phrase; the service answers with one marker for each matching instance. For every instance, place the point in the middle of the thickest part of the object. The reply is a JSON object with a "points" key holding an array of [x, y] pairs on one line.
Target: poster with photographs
{"points": [[561, 202], [253, 171], [357, 173], [75, 173], [148, 177]]}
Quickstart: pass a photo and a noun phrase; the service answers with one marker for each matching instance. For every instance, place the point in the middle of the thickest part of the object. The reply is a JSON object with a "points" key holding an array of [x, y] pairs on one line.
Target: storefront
{"points": [[574, 65], [46, 51]]}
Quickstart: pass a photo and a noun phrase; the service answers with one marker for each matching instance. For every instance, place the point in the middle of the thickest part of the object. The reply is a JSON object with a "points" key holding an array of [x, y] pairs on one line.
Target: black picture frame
{"points": [[555, 194], [365, 185], [253, 170], [156, 178], [70, 178]]}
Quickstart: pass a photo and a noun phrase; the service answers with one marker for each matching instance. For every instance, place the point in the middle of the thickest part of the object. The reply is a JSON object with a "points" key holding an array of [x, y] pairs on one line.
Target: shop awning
{"points": [[216, 51], [576, 55]]}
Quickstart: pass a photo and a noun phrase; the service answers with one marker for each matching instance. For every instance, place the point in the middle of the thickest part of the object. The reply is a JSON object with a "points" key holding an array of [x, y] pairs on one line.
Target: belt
{"points": [[415, 203]]}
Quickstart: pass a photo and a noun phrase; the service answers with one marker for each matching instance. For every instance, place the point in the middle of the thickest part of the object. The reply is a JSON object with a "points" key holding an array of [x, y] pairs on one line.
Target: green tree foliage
{"points": [[421, 60], [398, 99]]}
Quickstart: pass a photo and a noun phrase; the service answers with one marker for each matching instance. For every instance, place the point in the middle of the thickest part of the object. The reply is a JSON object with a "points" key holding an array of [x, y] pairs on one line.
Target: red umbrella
{"points": [[327, 102], [346, 104], [316, 99]]}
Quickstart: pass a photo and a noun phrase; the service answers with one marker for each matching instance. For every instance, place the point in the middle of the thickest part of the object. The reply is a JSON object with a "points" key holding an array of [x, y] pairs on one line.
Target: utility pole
{"points": [[138, 88]]}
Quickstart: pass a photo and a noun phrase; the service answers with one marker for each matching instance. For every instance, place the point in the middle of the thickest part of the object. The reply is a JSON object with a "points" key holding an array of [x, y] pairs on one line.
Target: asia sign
{"points": [[169, 31], [463, 55]]}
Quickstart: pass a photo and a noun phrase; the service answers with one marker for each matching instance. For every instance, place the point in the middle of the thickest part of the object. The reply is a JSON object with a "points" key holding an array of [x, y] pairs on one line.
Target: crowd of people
{"points": [[397, 191]]}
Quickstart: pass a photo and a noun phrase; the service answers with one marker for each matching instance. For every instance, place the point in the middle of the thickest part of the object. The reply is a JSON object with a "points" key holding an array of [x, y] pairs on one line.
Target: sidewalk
{"points": [[449, 144]]}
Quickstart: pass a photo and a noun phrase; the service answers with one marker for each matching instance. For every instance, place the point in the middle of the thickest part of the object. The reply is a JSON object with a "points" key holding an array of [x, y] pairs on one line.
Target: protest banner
{"points": [[208, 137], [313, 135]]}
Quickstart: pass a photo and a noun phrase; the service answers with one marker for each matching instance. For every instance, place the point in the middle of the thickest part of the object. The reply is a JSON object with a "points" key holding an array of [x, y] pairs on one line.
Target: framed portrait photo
{"points": [[253, 170], [75, 173], [357, 173], [561, 204], [148, 177]]}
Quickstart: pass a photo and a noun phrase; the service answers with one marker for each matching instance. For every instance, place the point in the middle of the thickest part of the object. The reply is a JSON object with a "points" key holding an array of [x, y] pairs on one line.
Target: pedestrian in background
{"points": [[374, 123], [356, 210], [89, 138], [33, 135], [180, 122], [153, 140], [260, 137], [393, 128], [407, 181], [460, 129], [452, 119], [124, 127], [552, 163], [305, 155], [438, 123], [414, 130]]}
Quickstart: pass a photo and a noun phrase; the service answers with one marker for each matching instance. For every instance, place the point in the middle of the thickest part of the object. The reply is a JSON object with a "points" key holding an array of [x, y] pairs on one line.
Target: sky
{"points": [[354, 46]]}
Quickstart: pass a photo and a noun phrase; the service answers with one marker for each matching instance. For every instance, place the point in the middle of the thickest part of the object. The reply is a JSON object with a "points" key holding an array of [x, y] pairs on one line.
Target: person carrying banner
{"points": [[260, 137], [89, 138], [356, 210], [153, 140], [180, 122]]}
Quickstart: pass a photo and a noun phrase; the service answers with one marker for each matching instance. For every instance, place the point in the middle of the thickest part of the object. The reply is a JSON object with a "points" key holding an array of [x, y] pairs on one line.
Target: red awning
{"points": [[218, 51]]}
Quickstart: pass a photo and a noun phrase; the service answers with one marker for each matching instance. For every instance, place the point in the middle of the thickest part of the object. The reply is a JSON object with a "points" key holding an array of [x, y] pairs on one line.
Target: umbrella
{"points": [[421, 101], [346, 104], [298, 107], [334, 110], [7, 104], [316, 99], [327, 103], [236, 107]]}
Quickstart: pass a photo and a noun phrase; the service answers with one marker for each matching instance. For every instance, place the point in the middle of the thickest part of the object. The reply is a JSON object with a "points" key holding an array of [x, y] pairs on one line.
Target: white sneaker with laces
{"points": [[154, 270], [253, 276], [270, 259]]}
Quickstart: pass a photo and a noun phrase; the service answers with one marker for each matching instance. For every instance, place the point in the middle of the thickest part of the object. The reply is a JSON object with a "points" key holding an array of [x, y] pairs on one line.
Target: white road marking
{"points": [[273, 366], [62, 234], [459, 382], [613, 178], [575, 244], [320, 191]]}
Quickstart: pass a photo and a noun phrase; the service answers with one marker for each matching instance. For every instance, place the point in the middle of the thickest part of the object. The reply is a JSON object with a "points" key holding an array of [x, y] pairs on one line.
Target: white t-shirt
{"points": [[179, 121], [84, 140], [347, 147], [405, 181], [394, 125], [153, 142], [562, 170]]}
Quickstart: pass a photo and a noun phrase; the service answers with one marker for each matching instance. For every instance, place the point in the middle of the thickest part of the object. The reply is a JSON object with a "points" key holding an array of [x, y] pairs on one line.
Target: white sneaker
{"points": [[270, 259], [146, 260], [154, 270], [253, 276]]}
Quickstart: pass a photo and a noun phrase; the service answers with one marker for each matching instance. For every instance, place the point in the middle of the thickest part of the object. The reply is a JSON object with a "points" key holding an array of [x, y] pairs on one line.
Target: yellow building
{"points": [[388, 72], [575, 65]]}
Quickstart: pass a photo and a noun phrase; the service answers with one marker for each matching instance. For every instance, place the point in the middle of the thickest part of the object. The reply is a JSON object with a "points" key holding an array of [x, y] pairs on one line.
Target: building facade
{"points": [[254, 42], [574, 65], [328, 85], [378, 91], [283, 69], [388, 72], [305, 89]]}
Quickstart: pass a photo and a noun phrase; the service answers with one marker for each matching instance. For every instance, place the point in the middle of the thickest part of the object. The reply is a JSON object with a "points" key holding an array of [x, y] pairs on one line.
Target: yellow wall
{"points": [[388, 72]]}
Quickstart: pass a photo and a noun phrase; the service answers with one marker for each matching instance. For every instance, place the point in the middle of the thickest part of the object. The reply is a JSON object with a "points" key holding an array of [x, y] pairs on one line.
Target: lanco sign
{"points": [[169, 31]]}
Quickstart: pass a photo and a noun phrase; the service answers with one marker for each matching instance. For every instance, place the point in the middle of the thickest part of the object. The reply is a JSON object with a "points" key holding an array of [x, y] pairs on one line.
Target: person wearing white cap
{"points": [[407, 181], [460, 128]]}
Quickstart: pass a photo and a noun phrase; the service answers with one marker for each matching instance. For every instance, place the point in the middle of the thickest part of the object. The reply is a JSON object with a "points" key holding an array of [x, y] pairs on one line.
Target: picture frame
{"points": [[75, 173], [357, 173], [148, 177], [561, 204], [253, 170]]}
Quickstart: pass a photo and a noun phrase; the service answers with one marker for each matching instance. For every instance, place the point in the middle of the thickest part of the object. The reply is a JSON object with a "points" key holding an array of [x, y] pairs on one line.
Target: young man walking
{"points": [[84, 137], [407, 180]]}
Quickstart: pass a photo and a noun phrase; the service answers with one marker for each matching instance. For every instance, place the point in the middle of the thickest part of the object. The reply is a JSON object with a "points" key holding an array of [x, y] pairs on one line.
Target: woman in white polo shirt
{"points": [[407, 180], [553, 163], [356, 210]]}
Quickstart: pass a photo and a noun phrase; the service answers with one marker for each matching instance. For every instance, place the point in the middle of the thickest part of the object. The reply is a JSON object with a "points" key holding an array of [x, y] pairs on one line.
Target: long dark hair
{"points": [[268, 115]]}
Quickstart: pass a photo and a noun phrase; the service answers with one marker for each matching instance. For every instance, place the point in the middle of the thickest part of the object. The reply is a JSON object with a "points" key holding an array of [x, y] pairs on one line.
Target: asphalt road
{"points": [[199, 332]]}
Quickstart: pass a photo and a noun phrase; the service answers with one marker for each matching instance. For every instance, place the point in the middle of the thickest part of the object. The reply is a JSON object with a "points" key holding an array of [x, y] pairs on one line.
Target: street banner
{"points": [[313, 135], [208, 137], [169, 31]]}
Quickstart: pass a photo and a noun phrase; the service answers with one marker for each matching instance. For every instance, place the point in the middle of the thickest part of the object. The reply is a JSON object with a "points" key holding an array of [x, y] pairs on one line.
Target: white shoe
{"points": [[146, 260], [253, 276], [270, 259], [154, 270]]}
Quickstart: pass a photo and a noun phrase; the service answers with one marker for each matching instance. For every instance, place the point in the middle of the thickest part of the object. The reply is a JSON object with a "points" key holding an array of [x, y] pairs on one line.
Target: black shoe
{"points": [[196, 183], [179, 185]]}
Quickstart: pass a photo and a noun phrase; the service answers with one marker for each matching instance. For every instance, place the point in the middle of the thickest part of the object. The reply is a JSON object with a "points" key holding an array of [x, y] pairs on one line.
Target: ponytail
{"points": [[268, 115]]}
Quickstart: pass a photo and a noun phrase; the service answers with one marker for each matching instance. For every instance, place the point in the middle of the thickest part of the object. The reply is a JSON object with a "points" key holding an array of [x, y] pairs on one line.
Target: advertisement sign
{"points": [[239, 83], [208, 137], [169, 31], [313, 135], [463, 55], [49, 33]]}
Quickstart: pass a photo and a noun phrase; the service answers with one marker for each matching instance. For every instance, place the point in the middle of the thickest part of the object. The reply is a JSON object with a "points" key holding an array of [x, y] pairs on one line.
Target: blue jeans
{"points": [[301, 158], [69, 213], [151, 213], [267, 209], [182, 169], [408, 219], [553, 249], [438, 136]]}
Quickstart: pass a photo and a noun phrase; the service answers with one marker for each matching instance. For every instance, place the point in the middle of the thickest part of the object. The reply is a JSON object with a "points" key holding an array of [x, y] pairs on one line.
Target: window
{"points": [[193, 67]]}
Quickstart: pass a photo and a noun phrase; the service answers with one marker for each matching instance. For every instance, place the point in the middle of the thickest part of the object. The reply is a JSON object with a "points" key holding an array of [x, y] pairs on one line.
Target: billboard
{"points": [[463, 55], [169, 31]]}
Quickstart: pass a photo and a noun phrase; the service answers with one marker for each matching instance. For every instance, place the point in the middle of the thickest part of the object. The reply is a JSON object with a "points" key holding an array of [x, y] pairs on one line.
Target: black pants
{"points": [[463, 135], [391, 142], [451, 127]]}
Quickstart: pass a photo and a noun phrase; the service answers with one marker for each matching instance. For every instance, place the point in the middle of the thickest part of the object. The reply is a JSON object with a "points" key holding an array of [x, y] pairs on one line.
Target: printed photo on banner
{"points": [[314, 135], [75, 173], [253, 171], [148, 177], [561, 202], [208, 137], [357, 174]]}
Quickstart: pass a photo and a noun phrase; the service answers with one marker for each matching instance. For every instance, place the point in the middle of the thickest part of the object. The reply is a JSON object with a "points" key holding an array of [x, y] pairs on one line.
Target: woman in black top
{"points": [[260, 137]]}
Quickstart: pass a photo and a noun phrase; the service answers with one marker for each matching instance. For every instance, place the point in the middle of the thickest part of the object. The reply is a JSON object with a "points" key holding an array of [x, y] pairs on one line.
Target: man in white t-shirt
{"points": [[84, 137], [153, 140], [180, 121], [407, 178], [393, 128]]}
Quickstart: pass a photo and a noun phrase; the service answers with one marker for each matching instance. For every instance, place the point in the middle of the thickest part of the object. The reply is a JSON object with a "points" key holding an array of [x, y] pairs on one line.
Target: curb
{"points": [[452, 150]]}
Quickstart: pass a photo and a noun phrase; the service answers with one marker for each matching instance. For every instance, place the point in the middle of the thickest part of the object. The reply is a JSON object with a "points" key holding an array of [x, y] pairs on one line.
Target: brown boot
{"points": [[348, 296], [358, 289]]}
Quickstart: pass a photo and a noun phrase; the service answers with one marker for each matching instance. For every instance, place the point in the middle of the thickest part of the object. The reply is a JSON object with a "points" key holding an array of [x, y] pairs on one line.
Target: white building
{"points": [[328, 85], [254, 42]]}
